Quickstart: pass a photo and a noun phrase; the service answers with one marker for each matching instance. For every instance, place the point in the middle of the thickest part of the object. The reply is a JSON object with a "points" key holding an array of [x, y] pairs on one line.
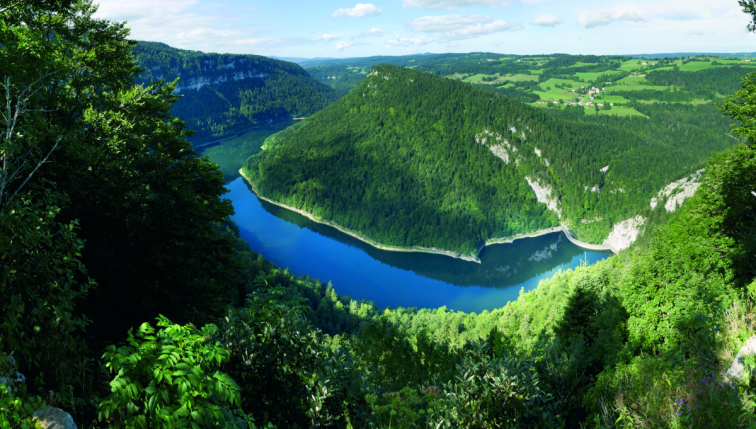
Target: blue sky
{"points": [[341, 28]]}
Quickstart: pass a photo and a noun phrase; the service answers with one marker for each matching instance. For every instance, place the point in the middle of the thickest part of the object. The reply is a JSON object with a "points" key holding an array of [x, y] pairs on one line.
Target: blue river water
{"points": [[400, 279]]}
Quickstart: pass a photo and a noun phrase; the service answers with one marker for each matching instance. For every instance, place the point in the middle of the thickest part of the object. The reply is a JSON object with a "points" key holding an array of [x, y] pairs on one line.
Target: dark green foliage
{"points": [[400, 161], [737, 176], [579, 315], [402, 358], [243, 90], [664, 96], [41, 278], [514, 93], [16, 408], [407, 408], [402, 166], [639, 339], [145, 214], [687, 274], [708, 83], [493, 392], [288, 373], [749, 7], [118, 197]]}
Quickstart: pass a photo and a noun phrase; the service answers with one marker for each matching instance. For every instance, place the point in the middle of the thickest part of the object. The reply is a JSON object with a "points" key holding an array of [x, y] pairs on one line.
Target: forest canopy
{"points": [[221, 94], [411, 159]]}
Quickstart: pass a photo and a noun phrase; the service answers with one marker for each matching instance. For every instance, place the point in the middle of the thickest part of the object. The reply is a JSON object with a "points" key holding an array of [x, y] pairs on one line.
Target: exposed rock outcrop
{"points": [[678, 191], [544, 194], [735, 372], [624, 233], [499, 145], [54, 418]]}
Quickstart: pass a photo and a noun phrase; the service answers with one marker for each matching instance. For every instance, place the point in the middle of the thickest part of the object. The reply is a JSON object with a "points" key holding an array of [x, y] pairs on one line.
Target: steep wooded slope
{"points": [[224, 93], [411, 159]]}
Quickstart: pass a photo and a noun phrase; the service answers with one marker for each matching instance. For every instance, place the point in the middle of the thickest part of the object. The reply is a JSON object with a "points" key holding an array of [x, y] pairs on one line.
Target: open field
{"points": [[521, 77], [555, 94], [478, 78], [608, 98], [589, 76], [553, 81], [635, 86], [508, 73]]}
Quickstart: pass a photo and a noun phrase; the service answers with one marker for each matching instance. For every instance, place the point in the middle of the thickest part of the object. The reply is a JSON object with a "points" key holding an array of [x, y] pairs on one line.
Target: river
{"points": [[395, 279]]}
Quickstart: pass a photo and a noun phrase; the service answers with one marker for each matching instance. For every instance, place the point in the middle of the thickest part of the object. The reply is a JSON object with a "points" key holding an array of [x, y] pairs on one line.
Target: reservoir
{"points": [[395, 279]]}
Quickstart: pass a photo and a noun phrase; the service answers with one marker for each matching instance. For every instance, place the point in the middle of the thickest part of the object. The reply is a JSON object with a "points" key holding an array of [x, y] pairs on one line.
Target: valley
{"points": [[336, 165], [192, 239], [369, 271], [604, 85]]}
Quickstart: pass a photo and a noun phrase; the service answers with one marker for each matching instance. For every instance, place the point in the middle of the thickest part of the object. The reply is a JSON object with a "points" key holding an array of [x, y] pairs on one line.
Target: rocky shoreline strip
{"points": [[588, 246], [463, 256]]}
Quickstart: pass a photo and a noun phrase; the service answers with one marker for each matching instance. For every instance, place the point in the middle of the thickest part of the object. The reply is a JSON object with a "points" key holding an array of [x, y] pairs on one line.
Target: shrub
{"points": [[494, 392], [170, 378]]}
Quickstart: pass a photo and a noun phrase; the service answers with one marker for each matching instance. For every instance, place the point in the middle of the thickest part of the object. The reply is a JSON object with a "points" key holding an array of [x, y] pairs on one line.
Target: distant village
{"points": [[584, 95]]}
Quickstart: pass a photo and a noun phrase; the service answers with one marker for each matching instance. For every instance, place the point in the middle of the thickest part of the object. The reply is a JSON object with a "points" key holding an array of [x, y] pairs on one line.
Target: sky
{"points": [[343, 28]]}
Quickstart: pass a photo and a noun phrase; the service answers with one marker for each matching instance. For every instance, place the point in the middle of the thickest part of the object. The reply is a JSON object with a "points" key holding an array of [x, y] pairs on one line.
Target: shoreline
{"points": [[463, 256], [238, 134], [588, 246]]}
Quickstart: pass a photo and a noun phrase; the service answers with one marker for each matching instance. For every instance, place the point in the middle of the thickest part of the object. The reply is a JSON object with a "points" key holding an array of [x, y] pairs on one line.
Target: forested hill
{"points": [[225, 93], [412, 159]]}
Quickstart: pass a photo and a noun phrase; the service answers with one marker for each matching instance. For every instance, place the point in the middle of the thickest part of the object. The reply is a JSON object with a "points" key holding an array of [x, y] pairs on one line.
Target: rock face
{"points": [[624, 233], [499, 146], [54, 418], [678, 191], [735, 372], [544, 194]]}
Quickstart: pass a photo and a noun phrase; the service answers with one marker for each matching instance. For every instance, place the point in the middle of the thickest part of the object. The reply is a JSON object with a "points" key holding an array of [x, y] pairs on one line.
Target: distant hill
{"points": [[696, 54], [225, 93], [302, 61], [411, 159]]}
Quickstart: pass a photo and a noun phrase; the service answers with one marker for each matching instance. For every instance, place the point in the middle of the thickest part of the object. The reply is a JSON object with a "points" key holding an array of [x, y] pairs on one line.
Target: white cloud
{"points": [[455, 27], [132, 10], [408, 41], [373, 32], [359, 11], [625, 12], [453, 4], [444, 23], [201, 33], [183, 24], [271, 41], [546, 21], [483, 29], [325, 38], [670, 10], [342, 45], [533, 1]]}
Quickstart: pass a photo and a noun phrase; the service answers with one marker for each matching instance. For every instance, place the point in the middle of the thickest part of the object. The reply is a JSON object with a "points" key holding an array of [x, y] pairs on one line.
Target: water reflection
{"points": [[502, 265], [395, 279], [408, 279]]}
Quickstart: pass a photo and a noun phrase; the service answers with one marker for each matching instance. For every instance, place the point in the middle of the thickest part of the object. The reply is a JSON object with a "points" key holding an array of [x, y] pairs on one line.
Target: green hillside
{"points": [[109, 222], [408, 159], [226, 93], [615, 84]]}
